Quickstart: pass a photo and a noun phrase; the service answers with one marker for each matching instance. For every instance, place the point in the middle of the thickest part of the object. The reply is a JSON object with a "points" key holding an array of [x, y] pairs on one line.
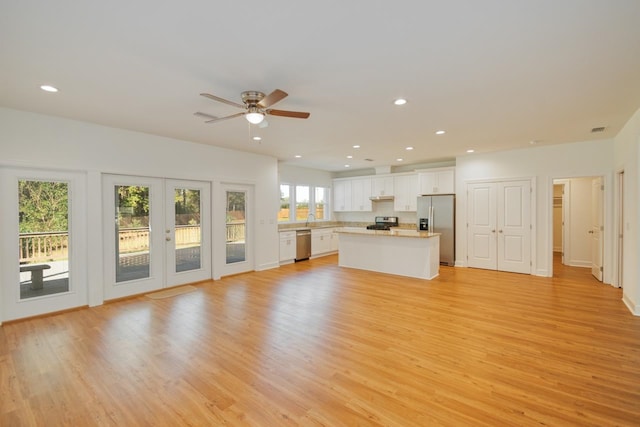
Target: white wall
{"points": [[38, 141], [288, 174], [543, 164], [626, 158]]}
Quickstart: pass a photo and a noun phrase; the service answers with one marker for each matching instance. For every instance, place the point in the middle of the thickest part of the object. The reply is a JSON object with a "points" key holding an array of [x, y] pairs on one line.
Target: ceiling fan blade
{"points": [[219, 119], [283, 113], [205, 115], [225, 101], [275, 96]]}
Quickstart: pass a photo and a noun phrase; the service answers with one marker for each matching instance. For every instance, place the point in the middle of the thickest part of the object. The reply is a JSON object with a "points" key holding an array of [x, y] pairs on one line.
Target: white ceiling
{"points": [[495, 74]]}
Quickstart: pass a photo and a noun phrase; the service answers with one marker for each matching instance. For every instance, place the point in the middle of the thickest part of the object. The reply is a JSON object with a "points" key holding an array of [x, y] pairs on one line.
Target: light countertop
{"points": [[394, 232]]}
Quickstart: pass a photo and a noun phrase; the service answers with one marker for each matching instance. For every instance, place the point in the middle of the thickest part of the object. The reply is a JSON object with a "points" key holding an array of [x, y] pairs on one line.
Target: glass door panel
{"points": [[132, 232], [233, 230], [43, 252], [43, 223], [236, 227], [133, 238], [188, 229]]}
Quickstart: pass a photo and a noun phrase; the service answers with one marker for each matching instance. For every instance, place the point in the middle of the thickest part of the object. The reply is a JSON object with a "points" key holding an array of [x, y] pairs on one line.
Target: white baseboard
{"points": [[631, 305], [542, 272], [579, 263], [267, 266]]}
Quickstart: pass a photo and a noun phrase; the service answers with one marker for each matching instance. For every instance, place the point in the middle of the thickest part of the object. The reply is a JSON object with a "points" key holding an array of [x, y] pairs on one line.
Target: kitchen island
{"points": [[397, 251]]}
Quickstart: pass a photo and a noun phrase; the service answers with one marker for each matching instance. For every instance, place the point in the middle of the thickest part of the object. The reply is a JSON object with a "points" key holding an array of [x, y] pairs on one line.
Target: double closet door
{"points": [[499, 225], [157, 233]]}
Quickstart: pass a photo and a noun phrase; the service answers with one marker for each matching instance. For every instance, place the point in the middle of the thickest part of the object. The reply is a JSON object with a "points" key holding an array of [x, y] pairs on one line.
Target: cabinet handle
{"points": [[499, 231], [493, 231]]}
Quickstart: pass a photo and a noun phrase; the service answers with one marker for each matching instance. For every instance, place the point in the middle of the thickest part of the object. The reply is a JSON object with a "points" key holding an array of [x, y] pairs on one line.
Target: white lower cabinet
{"points": [[321, 241], [287, 246], [334, 241]]}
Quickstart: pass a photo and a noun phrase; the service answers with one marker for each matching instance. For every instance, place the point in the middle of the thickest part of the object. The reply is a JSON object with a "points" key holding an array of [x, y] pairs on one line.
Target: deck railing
{"points": [[43, 247], [40, 247]]}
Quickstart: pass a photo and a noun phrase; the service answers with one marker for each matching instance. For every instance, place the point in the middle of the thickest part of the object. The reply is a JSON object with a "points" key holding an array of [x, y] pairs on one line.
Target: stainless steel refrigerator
{"points": [[439, 213]]}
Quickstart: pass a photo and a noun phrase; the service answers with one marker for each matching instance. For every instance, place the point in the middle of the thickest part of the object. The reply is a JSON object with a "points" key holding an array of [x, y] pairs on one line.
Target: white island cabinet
{"points": [[403, 252]]}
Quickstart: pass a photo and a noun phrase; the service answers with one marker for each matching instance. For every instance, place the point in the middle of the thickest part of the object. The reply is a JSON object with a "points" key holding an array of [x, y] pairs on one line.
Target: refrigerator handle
{"points": [[431, 209]]}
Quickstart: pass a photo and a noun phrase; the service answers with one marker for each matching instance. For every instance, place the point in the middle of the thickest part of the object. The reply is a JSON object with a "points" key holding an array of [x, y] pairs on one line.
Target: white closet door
{"points": [[499, 226], [481, 223], [514, 226]]}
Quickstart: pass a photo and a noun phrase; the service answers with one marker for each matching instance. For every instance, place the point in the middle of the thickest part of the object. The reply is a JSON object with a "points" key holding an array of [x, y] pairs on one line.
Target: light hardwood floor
{"points": [[314, 344]]}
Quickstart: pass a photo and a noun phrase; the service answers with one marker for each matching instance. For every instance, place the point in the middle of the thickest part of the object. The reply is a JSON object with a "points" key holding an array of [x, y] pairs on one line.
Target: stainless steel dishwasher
{"points": [[303, 244]]}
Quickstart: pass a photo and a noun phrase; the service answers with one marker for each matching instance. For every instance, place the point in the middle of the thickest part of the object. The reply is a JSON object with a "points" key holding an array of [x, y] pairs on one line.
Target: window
{"points": [[321, 203], [284, 214], [302, 203]]}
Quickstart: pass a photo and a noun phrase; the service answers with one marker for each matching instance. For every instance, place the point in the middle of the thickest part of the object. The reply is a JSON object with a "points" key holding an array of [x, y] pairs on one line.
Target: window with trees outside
{"points": [[302, 203]]}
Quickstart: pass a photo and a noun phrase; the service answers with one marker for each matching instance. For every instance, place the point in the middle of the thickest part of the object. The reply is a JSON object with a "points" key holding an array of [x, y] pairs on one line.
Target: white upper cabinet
{"points": [[342, 196], [382, 186], [405, 191], [352, 195], [437, 181], [361, 195]]}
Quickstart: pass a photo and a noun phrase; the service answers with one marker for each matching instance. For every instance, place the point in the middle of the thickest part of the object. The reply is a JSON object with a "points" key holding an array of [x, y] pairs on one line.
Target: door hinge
{"points": [[530, 226], [602, 187], [601, 270], [530, 263]]}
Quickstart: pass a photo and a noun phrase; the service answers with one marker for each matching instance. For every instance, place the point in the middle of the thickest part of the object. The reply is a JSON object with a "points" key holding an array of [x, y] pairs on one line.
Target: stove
{"points": [[384, 223]]}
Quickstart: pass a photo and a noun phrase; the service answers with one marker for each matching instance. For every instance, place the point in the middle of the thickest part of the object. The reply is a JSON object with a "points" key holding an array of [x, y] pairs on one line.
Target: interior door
{"points": [[514, 226], [481, 224], [596, 227], [187, 231], [44, 217], [238, 230], [499, 226]]}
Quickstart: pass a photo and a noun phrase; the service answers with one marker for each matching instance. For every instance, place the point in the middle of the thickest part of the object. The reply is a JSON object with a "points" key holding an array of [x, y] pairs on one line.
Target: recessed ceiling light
{"points": [[347, 166], [533, 142], [440, 132], [400, 101], [356, 146], [470, 150], [399, 160], [349, 157], [48, 88], [257, 138], [298, 156], [409, 148]]}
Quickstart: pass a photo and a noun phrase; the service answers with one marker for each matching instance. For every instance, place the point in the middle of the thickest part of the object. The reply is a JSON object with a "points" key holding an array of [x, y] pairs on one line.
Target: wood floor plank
{"points": [[313, 344]]}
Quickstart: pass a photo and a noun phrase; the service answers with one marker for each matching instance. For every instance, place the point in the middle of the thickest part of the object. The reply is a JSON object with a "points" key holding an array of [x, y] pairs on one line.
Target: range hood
{"points": [[377, 198]]}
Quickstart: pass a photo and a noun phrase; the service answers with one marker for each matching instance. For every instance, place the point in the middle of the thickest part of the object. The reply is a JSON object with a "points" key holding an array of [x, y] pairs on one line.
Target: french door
{"points": [[157, 233], [499, 226], [238, 230], [43, 253]]}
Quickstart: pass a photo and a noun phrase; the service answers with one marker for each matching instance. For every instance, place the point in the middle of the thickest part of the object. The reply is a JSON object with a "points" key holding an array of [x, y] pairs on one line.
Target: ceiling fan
{"points": [[256, 105]]}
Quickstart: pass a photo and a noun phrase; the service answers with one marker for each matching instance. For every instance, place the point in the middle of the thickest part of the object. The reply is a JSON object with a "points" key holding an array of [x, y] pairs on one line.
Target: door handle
{"points": [[499, 231], [590, 231], [168, 239], [493, 231]]}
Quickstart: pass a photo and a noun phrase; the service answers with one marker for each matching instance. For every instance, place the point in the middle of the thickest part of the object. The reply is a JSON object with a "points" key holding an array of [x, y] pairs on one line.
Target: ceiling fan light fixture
{"points": [[254, 117]]}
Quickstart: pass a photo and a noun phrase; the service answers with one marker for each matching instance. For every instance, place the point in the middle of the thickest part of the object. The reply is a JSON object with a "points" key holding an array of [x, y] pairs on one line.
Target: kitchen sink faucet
{"points": [[306, 224]]}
